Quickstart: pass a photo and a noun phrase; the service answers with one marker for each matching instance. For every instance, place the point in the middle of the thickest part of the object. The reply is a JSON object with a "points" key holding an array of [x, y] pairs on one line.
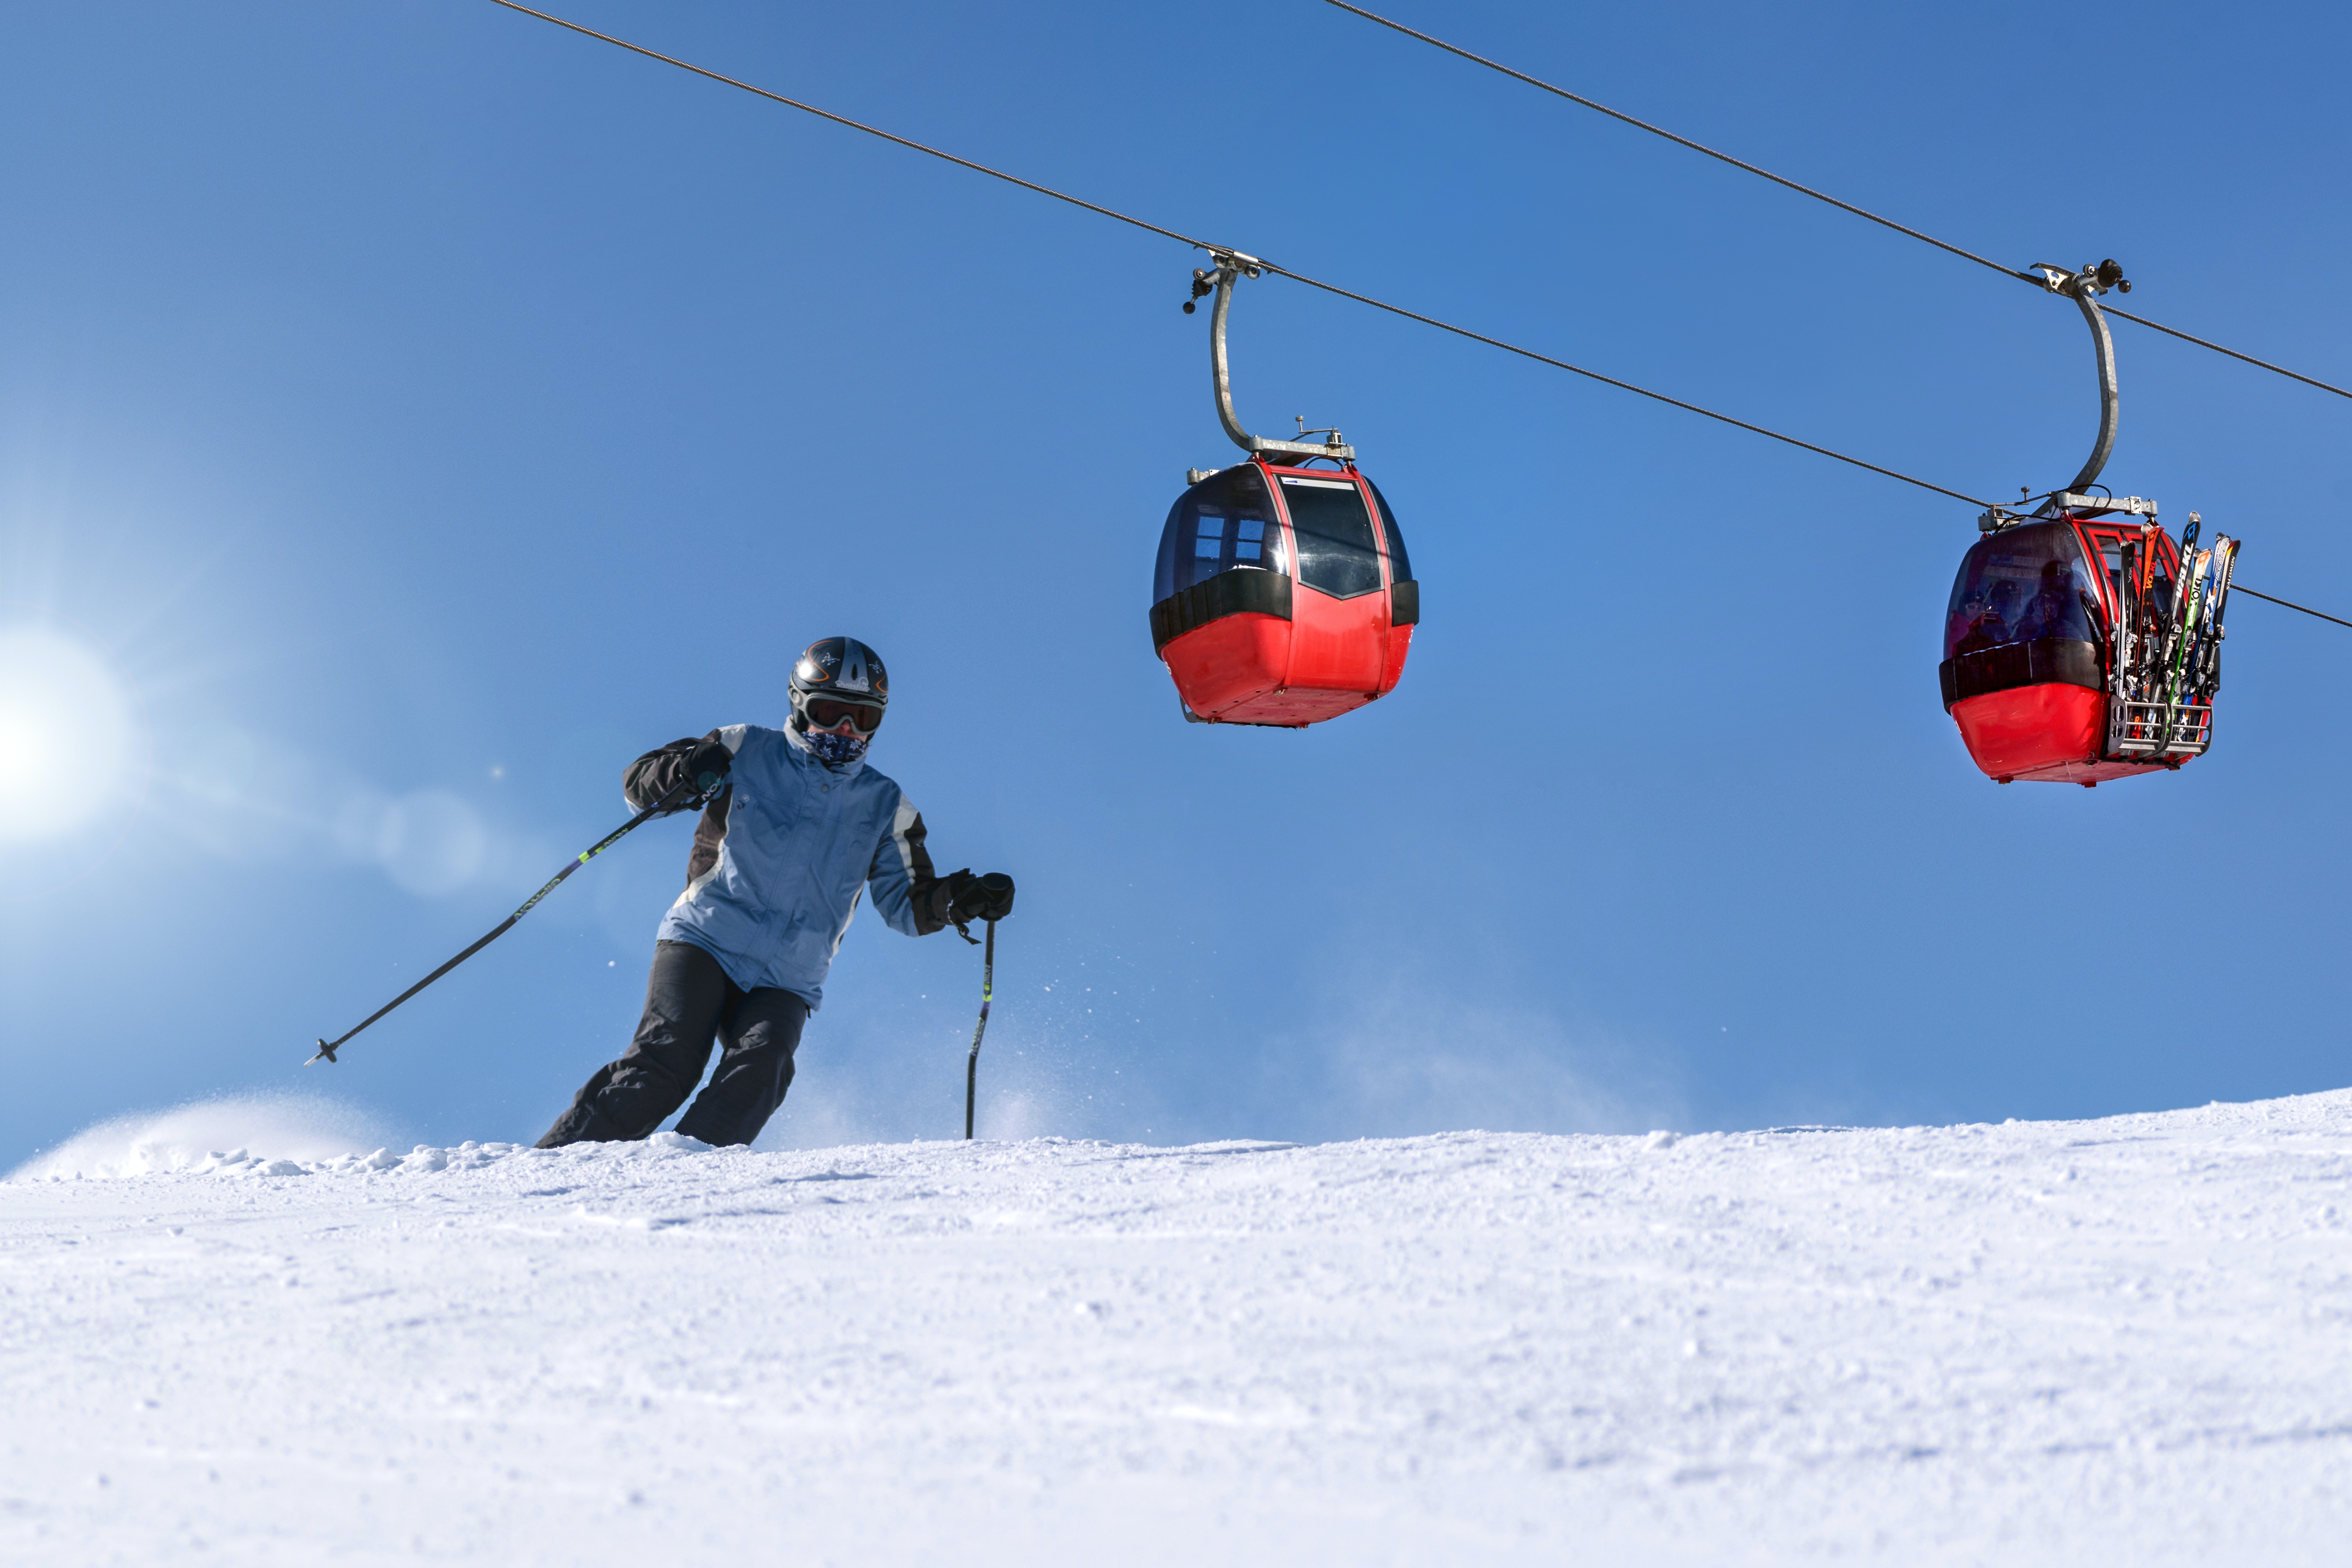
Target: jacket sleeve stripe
{"points": [[909, 860]]}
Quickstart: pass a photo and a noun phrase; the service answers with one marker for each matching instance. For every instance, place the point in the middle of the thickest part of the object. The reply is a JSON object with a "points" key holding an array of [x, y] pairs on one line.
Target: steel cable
{"points": [[853, 124], [2241, 588], [1204, 245], [1318, 283], [1607, 380], [2025, 277]]}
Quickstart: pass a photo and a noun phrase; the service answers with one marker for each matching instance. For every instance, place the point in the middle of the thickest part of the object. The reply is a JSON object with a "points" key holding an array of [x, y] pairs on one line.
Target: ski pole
{"points": [[659, 807], [971, 1062]]}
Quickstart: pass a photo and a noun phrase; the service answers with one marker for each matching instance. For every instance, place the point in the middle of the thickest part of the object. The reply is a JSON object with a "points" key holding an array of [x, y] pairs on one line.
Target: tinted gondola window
{"points": [[1249, 540], [1208, 535], [1400, 563], [2023, 585], [1219, 524], [1337, 551]]}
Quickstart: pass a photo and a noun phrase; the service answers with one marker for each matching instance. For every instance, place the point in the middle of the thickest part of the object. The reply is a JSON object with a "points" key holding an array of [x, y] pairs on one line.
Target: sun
{"points": [[64, 733]]}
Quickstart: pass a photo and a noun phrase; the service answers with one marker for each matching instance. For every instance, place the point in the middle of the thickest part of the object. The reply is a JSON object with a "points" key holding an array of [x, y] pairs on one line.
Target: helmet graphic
{"points": [[847, 682]]}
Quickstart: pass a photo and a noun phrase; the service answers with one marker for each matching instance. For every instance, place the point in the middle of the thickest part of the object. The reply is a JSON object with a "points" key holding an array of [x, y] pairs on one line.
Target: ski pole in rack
{"points": [[661, 807]]}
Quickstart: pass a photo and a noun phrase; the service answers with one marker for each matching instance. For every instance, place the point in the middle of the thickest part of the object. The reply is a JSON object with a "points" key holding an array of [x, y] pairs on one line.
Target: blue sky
{"points": [[410, 413]]}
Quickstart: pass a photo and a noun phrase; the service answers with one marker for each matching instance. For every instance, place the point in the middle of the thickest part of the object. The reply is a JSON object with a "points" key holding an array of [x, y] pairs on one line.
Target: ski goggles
{"points": [[827, 713]]}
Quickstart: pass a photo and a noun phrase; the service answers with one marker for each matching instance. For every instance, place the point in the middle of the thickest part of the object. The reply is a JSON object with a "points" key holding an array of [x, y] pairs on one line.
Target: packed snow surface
{"points": [[2116, 1341]]}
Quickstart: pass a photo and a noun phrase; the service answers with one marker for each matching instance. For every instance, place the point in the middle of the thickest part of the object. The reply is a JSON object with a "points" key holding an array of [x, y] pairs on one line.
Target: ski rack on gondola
{"points": [[2166, 659]]}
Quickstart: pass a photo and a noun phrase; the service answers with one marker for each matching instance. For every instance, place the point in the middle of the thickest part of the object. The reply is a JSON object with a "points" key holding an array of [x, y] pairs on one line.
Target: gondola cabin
{"points": [[2069, 656], [1282, 595]]}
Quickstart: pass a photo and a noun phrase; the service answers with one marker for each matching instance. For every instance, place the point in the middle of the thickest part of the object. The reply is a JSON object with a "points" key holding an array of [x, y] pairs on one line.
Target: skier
{"points": [[798, 827]]}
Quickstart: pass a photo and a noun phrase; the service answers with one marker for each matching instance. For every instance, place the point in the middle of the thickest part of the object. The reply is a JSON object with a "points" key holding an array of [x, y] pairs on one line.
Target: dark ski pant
{"points": [[688, 1002]]}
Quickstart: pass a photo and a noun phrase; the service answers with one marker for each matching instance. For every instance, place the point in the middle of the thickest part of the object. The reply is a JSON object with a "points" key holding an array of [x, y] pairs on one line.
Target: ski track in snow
{"points": [[2117, 1341]]}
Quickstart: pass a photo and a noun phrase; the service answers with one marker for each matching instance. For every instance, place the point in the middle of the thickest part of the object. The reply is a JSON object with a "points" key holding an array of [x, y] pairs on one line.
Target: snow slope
{"points": [[2117, 1341]]}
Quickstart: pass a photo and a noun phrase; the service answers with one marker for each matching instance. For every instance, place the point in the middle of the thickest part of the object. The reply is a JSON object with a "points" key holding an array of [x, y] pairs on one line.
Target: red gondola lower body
{"points": [[1328, 656], [2051, 733]]}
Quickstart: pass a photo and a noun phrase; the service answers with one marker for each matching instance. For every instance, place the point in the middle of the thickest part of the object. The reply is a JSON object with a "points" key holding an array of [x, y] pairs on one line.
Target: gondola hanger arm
{"points": [[2084, 287], [1232, 265]]}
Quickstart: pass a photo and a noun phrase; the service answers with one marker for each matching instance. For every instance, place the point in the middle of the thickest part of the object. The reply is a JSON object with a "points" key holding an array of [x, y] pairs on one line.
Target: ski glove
{"points": [[972, 898], [707, 766]]}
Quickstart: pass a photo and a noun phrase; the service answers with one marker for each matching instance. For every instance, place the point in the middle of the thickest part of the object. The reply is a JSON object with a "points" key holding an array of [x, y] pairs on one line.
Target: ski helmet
{"points": [[845, 680]]}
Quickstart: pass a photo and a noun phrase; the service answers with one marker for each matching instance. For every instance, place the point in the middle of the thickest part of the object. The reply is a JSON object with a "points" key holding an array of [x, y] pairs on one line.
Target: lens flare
{"points": [[64, 733], [430, 842]]}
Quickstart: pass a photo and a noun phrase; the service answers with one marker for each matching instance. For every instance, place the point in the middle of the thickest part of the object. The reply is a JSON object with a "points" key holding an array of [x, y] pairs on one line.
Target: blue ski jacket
{"points": [[783, 854]]}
